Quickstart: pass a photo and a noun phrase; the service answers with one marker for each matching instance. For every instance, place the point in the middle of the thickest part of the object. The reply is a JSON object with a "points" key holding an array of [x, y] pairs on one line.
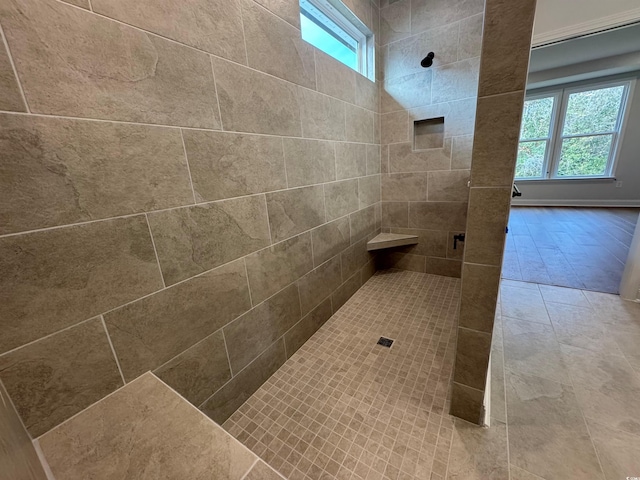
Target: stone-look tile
{"points": [[470, 39], [531, 348], [563, 314], [547, 433], [455, 249], [272, 269], [19, 459], [153, 330], [275, 47], [567, 296], [478, 297], [461, 151], [428, 14], [322, 116], [58, 376], [363, 223], [341, 198], [617, 451], [487, 220], [302, 331], [346, 291], [459, 116], [46, 285], [335, 78], [472, 358], [395, 214], [214, 26], [478, 453], [577, 333], [446, 267], [351, 160], [495, 149], [373, 159], [195, 239], [394, 127], [523, 304], [402, 261], [309, 161], [79, 3], [10, 96], [361, 9], [235, 392], [248, 336], [262, 471], [330, 239], [199, 371], [354, 258], [377, 129], [466, 403], [448, 186], [395, 22], [366, 93], [225, 165], [402, 158], [438, 215], [405, 92], [598, 369], [520, 474], [294, 211], [432, 243], [59, 171], [145, 431], [507, 33], [404, 187], [498, 400], [359, 127], [74, 63], [272, 108], [369, 190], [319, 284], [455, 81], [288, 11]]}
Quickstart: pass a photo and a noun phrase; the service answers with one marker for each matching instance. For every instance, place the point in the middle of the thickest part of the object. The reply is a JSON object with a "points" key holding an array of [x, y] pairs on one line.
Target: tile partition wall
{"points": [[185, 187], [503, 74], [425, 192]]}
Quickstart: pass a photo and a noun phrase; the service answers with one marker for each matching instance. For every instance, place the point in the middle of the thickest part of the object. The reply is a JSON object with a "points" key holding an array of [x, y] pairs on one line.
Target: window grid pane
{"points": [[531, 156], [585, 156], [593, 111], [536, 118]]}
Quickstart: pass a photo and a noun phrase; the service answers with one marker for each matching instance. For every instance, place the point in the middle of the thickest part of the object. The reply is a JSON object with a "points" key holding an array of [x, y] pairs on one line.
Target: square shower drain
{"points": [[385, 342]]}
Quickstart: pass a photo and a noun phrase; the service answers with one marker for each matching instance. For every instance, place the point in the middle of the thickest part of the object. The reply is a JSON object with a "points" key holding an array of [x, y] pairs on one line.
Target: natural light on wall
{"points": [[329, 26]]}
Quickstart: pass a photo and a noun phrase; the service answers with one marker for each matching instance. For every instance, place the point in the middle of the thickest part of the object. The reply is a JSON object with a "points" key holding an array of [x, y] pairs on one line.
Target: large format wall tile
{"points": [[211, 25], [329, 240], [395, 21], [322, 116], [248, 336], [373, 159], [369, 190], [59, 171], [144, 431], [46, 285], [195, 239], [302, 331], [459, 116], [351, 160], [273, 268], [396, 214], [275, 47], [448, 186], [341, 198], [488, 216], [335, 78], [10, 96], [153, 330], [438, 215], [289, 11], [309, 161], [319, 284], [470, 39], [432, 13], [56, 377], [294, 211], [455, 81], [402, 158], [407, 91], [359, 126], [363, 222], [75, 63], [479, 295], [225, 165], [472, 358], [405, 187], [271, 108]]}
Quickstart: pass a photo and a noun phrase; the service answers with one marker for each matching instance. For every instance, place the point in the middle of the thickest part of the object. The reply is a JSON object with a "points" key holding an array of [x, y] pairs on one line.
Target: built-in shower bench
{"points": [[390, 240]]}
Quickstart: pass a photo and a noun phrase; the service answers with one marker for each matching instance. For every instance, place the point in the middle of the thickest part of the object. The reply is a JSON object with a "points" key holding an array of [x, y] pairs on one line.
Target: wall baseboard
{"points": [[575, 203]]}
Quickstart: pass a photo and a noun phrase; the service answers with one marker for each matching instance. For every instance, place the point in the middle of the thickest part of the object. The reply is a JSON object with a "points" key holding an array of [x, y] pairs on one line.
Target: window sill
{"points": [[566, 180]]}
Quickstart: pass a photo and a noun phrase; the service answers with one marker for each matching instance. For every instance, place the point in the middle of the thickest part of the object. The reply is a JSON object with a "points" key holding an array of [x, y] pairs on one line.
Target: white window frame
{"points": [[353, 27], [558, 117]]}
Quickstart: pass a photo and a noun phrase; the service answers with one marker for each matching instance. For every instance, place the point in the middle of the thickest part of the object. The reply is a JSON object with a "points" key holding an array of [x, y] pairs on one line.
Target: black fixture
{"points": [[457, 238], [385, 342], [516, 191], [428, 60]]}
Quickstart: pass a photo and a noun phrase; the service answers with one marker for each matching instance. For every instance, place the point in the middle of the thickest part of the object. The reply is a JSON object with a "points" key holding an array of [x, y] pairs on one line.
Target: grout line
{"points": [[5, 393], [43, 460], [284, 161], [113, 350], [252, 465], [15, 70], [186, 159], [244, 33], [90, 5], [246, 272], [226, 349], [155, 251]]}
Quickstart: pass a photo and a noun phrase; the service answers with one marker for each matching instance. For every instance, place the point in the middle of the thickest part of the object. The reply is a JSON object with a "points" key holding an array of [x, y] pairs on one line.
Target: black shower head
{"points": [[428, 60]]}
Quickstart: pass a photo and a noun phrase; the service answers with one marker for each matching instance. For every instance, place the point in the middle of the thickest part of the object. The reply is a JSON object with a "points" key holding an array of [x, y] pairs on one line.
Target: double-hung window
{"points": [[572, 132]]}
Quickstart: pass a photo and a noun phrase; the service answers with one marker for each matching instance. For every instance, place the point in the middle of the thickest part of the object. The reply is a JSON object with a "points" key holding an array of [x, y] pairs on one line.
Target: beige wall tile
{"points": [[459, 116], [446, 267], [472, 358], [302, 331], [148, 333], [470, 40], [366, 93], [466, 403], [295, 211], [147, 421], [402, 158], [461, 152], [395, 22], [403, 187], [10, 96], [199, 371], [330, 239], [289, 11], [56, 377], [341, 198], [359, 124], [271, 108], [75, 63], [456, 81], [351, 160], [495, 149], [361, 9], [354, 258], [407, 91], [319, 284], [488, 216], [458, 251], [225, 165], [478, 296], [273, 268], [46, 285], [79, 3], [448, 186], [369, 190], [432, 243], [227, 400], [403, 261], [275, 47], [248, 336], [211, 25], [195, 239], [395, 214], [373, 159], [322, 116], [335, 78], [346, 291], [363, 223], [309, 161], [394, 127], [61, 171], [428, 14], [438, 215]]}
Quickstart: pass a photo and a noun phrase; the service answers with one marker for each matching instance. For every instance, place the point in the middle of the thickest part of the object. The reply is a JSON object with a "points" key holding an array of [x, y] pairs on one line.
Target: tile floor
{"points": [[583, 248], [565, 389]]}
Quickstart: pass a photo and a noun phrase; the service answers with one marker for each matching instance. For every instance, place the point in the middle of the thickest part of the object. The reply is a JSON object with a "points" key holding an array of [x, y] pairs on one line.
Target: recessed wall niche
{"points": [[428, 133]]}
